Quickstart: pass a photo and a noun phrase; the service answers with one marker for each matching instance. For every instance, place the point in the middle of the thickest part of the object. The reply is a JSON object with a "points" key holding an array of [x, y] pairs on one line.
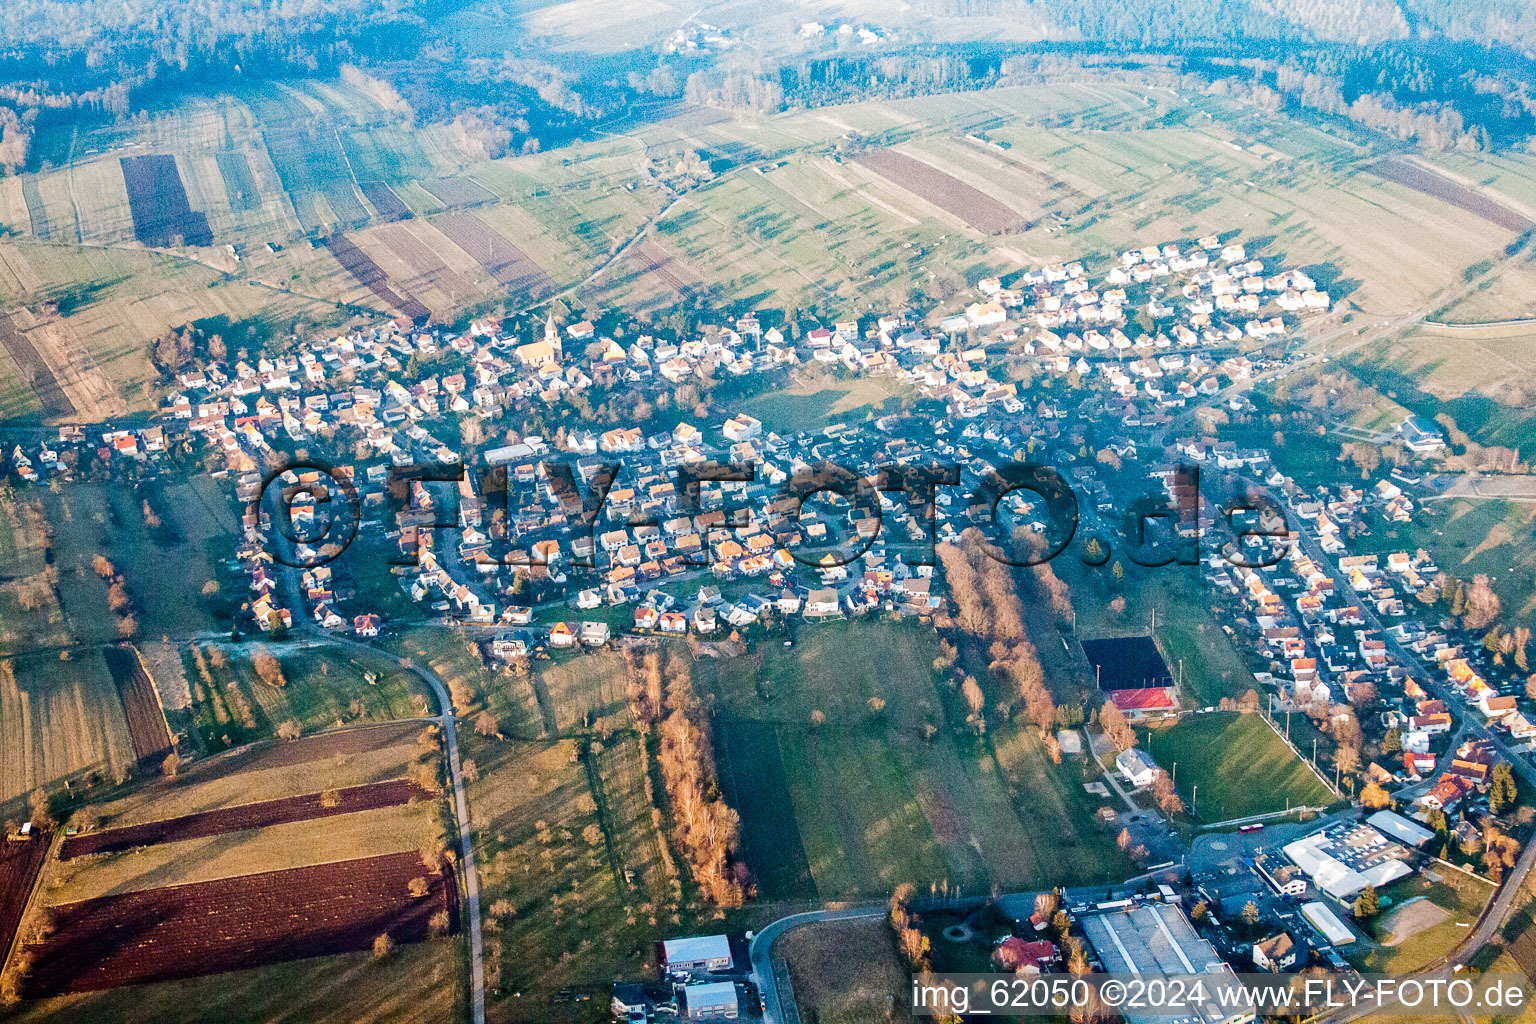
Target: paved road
{"points": [[760, 953], [449, 723], [1427, 678], [289, 582]]}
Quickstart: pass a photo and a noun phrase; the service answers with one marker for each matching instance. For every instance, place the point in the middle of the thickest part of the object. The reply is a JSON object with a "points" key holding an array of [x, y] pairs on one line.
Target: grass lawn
{"points": [[31, 614], [1234, 765], [1467, 537], [1462, 897], [816, 404], [166, 570], [575, 692], [326, 687], [447, 652]]}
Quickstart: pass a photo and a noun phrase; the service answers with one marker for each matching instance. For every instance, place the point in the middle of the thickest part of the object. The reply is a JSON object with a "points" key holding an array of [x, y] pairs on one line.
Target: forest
{"points": [[1436, 74]]}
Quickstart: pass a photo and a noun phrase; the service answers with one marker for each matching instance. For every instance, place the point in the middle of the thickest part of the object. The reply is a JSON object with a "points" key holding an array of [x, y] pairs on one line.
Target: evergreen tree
{"points": [[1502, 791], [1368, 903]]}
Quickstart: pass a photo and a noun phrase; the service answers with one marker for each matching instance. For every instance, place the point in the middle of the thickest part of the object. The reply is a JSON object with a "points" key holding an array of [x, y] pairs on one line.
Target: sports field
{"points": [[1231, 765]]}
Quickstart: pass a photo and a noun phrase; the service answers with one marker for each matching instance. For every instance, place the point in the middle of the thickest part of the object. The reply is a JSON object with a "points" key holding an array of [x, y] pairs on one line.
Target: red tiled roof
{"points": [[1013, 953], [1151, 698]]}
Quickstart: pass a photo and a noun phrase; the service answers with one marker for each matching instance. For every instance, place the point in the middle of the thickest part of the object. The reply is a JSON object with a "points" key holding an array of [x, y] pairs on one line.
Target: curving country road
{"points": [[288, 580], [449, 723], [760, 952]]}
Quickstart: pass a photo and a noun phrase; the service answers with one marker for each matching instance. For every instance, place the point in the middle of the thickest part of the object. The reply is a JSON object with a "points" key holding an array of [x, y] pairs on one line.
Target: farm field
{"points": [[1483, 388], [161, 214], [141, 705], [788, 218], [1233, 765], [498, 256], [64, 721], [576, 693], [242, 818], [972, 206], [1478, 203], [400, 829], [245, 859], [1449, 364], [1510, 294], [422, 981], [112, 302], [873, 803], [273, 770], [212, 927], [324, 687], [19, 867], [368, 274]]}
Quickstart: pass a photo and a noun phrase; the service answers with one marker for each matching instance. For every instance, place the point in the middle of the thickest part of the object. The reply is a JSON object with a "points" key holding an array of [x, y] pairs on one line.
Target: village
{"points": [[531, 544]]}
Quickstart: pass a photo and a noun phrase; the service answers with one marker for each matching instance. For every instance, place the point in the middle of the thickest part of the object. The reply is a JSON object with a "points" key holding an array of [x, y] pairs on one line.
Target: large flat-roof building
{"points": [[1346, 857], [1400, 828], [1327, 922], [1156, 938]]}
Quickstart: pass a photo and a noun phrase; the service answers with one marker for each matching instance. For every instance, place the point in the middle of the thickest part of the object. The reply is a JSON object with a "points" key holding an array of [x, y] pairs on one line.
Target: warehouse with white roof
{"points": [[1400, 828], [1346, 857], [1326, 921]]}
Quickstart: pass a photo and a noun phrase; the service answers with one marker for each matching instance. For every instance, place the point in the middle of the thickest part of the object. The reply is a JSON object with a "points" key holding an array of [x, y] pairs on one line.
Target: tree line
{"points": [[708, 830]]}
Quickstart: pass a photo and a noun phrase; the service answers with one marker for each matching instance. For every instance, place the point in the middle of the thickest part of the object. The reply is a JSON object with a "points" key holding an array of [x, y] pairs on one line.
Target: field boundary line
{"points": [[1444, 325], [1312, 767]]}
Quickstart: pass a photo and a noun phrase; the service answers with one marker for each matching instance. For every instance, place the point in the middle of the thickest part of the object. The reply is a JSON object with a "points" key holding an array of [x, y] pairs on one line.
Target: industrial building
{"points": [[1327, 922], [714, 1001], [1156, 938], [1401, 829], [1346, 857], [696, 953]]}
